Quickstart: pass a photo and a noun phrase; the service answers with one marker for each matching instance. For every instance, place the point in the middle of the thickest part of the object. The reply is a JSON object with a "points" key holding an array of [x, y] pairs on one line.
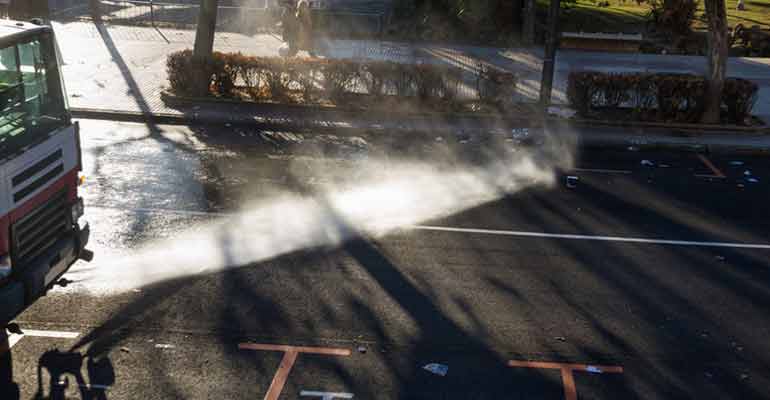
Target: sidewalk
{"points": [[121, 69]]}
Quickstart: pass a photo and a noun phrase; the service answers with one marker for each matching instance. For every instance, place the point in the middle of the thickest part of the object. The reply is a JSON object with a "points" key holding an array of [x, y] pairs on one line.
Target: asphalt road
{"points": [[233, 264]]}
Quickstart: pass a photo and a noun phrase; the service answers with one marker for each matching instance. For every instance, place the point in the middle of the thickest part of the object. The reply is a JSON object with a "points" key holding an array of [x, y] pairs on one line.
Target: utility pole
{"points": [[516, 11], [549, 62], [530, 21], [95, 7], [204, 35]]}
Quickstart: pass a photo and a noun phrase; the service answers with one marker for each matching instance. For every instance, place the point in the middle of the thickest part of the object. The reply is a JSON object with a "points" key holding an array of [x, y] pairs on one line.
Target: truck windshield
{"points": [[32, 103]]}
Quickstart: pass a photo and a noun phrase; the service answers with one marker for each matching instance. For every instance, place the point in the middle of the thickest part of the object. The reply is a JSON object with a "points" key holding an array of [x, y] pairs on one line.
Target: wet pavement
{"points": [[369, 257]]}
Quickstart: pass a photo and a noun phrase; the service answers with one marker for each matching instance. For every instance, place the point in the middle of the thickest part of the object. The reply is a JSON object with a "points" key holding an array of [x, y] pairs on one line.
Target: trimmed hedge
{"points": [[656, 97], [312, 80]]}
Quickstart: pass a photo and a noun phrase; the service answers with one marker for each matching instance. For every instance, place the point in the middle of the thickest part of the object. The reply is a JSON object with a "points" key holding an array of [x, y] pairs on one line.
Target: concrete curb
{"points": [[131, 116], [684, 127], [593, 136], [174, 100], [692, 128], [656, 140]]}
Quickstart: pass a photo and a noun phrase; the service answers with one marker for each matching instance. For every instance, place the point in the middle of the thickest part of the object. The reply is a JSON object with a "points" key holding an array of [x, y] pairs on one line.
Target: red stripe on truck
{"points": [[68, 179]]}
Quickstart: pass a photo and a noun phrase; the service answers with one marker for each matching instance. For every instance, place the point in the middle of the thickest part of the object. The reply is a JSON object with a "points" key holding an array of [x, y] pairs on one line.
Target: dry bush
{"points": [[308, 80], [338, 77], [495, 86]]}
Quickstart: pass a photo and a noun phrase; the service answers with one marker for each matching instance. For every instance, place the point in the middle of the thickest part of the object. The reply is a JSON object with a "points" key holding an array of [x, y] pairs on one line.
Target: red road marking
{"points": [[276, 386], [329, 351], [711, 166], [567, 376], [287, 362], [568, 380]]}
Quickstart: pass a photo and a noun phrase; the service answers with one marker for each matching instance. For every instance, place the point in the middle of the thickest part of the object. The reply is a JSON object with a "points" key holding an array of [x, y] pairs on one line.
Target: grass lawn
{"points": [[630, 17]]}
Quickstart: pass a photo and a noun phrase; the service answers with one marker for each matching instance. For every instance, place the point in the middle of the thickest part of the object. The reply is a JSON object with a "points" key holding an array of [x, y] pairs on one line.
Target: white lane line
{"points": [[594, 238], [710, 176], [51, 334], [89, 386], [602, 171], [326, 395], [13, 339], [495, 232], [97, 386]]}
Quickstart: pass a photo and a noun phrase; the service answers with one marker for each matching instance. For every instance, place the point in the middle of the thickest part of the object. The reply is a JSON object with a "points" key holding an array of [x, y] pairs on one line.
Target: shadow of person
{"points": [[8, 388], [100, 370], [63, 365]]}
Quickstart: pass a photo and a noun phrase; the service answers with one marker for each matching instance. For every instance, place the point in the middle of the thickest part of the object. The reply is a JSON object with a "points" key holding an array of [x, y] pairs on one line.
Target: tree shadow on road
{"points": [[649, 307], [639, 306]]}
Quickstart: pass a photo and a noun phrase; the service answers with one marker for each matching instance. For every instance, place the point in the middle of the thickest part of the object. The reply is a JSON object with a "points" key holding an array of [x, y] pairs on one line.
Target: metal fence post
{"points": [[152, 14]]}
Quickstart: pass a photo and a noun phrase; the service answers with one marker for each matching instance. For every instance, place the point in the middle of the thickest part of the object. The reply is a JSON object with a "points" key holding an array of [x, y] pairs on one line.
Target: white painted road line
{"points": [[594, 238], [50, 334], [602, 171], [710, 176], [14, 338], [91, 386], [326, 395], [497, 232]]}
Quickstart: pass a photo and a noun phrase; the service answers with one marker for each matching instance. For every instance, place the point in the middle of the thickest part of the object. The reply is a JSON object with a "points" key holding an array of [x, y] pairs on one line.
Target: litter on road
{"points": [[437, 369], [736, 163], [648, 163], [572, 182], [520, 133]]}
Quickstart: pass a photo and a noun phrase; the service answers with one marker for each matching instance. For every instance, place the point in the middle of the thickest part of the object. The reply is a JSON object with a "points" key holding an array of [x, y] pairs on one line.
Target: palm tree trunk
{"points": [[717, 59]]}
